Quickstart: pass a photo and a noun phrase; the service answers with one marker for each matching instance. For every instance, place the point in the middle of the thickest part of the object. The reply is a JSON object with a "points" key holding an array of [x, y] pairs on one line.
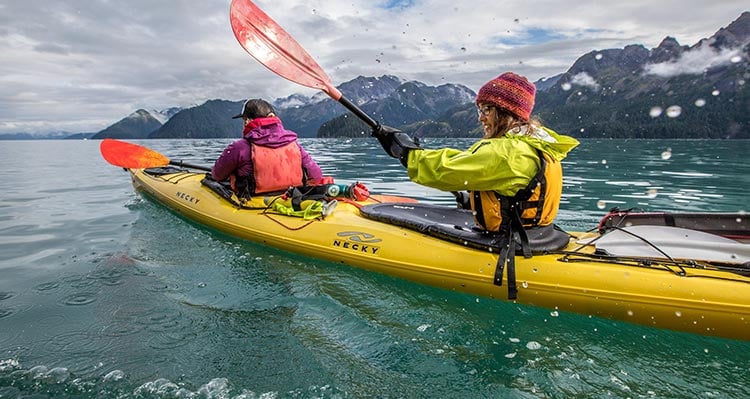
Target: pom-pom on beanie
{"points": [[511, 92]]}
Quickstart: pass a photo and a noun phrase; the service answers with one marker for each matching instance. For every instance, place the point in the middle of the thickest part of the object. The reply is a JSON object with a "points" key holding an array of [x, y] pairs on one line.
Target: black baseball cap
{"points": [[255, 108]]}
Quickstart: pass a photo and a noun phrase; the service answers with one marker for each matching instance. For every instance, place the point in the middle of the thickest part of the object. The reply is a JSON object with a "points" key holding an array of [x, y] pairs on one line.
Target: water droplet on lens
{"points": [[674, 111]]}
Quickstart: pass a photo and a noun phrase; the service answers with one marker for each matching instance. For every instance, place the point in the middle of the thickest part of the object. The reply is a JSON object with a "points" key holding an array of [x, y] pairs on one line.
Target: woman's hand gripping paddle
{"points": [[132, 156]]}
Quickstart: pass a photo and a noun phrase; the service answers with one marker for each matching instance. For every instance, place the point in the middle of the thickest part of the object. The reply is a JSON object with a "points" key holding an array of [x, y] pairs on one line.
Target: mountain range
{"points": [[674, 91], [671, 91]]}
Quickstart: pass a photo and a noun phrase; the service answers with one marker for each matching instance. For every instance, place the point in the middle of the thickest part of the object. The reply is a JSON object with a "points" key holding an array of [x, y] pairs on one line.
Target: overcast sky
{"points": [[80, 65]]}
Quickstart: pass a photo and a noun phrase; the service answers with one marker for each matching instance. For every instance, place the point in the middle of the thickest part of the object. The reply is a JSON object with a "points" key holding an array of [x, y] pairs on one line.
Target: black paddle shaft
{"points": [[358, 112], [190, 166]]}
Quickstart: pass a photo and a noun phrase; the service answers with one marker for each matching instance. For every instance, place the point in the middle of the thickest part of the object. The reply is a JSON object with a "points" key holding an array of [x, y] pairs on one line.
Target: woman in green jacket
{"points": [[514, 170]]}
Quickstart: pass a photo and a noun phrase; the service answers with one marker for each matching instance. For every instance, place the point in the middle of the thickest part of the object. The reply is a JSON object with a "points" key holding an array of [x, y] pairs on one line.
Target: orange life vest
{"points": [[276, 169]]}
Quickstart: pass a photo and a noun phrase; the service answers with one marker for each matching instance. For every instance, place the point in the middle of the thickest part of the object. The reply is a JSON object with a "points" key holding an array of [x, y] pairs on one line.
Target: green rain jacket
{"points": [[504, 165]]}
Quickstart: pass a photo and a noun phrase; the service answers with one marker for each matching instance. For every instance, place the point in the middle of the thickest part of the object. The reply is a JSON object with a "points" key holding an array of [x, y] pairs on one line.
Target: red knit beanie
{"points": [[511, 92]]}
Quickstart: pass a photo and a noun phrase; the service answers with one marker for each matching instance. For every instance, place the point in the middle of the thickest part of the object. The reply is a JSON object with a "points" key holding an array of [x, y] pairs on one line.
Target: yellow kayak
{"points": [[587, 273]]}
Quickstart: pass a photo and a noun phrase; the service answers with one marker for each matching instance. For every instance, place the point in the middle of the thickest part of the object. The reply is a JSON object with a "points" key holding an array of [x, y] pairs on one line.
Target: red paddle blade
{"points": [[131, 156], [273, 47]]}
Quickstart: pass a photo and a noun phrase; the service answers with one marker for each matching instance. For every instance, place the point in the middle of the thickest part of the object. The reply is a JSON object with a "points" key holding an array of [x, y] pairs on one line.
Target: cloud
{"points": [[80, 65], [695, 62], [584, 79], [51, 48]]}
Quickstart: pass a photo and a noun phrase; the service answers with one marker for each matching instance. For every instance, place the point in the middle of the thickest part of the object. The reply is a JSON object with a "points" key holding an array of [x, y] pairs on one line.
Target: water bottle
{"points": [[337, 190]]}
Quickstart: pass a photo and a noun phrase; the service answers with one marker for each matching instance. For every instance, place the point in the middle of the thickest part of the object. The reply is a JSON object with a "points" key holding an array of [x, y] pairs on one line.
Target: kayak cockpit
{"points": [[457, 226]]}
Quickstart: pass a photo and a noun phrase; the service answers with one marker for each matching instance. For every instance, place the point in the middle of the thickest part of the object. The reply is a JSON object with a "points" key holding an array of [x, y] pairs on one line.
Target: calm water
{"points": [[105, 295]]}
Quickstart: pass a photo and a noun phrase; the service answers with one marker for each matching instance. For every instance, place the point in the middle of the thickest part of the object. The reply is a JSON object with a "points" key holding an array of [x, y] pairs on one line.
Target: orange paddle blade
{"points": [[131, 156]]}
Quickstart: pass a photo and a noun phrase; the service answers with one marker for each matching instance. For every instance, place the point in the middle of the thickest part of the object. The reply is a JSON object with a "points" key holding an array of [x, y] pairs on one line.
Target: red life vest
{"points": [[276, 169]]}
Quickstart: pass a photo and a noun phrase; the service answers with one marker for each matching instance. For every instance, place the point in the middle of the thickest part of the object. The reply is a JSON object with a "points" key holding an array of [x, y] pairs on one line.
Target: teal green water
{"points": [[106, 295]]}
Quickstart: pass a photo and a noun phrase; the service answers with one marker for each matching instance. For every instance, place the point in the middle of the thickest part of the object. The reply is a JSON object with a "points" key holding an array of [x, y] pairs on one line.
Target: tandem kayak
{"points": [[645, 270]]}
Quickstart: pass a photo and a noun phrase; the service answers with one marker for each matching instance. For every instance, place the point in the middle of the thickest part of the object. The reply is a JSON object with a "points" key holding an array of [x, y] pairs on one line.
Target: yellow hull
{"points": [[707, 302]]}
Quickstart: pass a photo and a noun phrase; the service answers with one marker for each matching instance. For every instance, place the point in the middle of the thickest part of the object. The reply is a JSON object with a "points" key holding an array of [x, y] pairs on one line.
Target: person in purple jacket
{"points": [[268, 158]]}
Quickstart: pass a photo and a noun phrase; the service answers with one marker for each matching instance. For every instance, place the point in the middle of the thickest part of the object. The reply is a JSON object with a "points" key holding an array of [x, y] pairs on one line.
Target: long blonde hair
{"points": [[507, 122]]}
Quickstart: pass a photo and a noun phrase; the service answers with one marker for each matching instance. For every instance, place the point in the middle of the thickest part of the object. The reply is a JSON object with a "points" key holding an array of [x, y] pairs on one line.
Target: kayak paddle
{"points": [[277, 50], [272, 46], [132, 156]]}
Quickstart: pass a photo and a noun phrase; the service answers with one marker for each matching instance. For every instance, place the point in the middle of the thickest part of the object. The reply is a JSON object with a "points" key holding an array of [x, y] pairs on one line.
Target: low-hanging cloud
{"points": [[695, 62], [584, 79]]}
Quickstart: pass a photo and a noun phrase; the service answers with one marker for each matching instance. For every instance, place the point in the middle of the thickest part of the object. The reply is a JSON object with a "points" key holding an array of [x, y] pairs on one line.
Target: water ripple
{"points": [[78, 299], [81, 349], [48, 286], [120, 329]]}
